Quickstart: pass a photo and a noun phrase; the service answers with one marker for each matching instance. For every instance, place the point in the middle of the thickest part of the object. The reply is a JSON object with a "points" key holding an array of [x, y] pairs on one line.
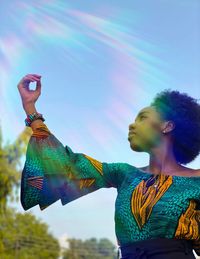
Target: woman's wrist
{"points": [[29, 108]]}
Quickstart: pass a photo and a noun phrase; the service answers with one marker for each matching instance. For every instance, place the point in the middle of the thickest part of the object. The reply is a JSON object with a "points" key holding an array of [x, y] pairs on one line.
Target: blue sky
{"points": [[101, 62]]}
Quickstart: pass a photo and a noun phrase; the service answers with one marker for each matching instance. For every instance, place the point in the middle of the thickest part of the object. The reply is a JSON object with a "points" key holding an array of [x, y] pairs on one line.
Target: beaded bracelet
{"points": [[33, 116]]}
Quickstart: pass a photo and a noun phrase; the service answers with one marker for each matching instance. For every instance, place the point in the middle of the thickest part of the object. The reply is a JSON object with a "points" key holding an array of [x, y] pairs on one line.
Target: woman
{"points": [[157, 210]]}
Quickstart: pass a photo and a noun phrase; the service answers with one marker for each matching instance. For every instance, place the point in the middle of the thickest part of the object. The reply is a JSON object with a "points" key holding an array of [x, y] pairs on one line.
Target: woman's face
{"points": [[147, 127]]}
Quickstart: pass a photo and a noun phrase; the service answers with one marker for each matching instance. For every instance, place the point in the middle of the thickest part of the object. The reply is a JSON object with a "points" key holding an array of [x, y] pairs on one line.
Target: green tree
{"points": [[10, 166], [23, 236], [90, 249]]}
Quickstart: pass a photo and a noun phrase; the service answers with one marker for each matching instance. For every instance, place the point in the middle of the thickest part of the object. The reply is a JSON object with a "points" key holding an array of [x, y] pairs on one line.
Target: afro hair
{"points": [[184, 111]]}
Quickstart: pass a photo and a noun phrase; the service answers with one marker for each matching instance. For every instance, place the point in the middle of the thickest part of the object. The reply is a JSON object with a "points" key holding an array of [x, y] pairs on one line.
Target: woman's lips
{"points": [[131, 133]]}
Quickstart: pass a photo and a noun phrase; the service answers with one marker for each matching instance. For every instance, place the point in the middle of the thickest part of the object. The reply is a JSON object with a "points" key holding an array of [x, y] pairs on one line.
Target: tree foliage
{"points": [[21, 235], [24, 236], [10, 165], [90, 249]]}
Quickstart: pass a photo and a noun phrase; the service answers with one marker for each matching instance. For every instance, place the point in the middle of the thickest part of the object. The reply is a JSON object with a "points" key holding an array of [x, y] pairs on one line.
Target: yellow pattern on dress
{"points": [[86, 182], [188, 224], [144, 198], [97, 164], [89, 181], [41, 131]]}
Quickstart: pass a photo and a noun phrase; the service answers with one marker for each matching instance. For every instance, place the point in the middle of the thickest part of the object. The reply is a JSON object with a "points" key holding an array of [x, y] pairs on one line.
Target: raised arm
{"points": [[52, 171]]}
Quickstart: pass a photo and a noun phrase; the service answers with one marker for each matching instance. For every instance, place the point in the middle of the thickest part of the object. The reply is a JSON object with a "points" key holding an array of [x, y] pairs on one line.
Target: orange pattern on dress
{"points": [[36, 181], [89, 181], [189, 223], [86, 182], [144, 198], [97, 164], [41, 131]]}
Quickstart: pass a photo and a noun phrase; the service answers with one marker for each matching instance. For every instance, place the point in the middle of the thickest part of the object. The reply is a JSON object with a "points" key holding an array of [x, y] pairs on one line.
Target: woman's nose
{"points": [[131, 127]]}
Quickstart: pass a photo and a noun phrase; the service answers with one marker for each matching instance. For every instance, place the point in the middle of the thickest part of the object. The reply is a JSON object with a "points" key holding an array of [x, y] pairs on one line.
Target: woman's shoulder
{"points": [[184, 171], [190, 171]]}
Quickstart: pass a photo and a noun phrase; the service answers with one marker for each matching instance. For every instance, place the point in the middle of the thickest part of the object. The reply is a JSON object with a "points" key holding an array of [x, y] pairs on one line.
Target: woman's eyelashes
{"points": [[140, 117], [143, 116]]}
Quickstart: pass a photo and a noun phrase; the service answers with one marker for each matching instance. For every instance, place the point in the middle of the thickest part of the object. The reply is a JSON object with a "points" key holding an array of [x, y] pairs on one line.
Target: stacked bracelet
{"points": [[33, 116]]}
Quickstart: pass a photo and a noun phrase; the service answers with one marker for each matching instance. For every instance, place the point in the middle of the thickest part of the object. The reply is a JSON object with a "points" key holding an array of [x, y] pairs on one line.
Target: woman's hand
{"points": [[29, 96]]}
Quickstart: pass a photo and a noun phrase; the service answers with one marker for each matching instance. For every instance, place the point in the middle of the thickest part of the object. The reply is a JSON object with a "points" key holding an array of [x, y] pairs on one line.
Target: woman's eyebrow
{"points": [[139, 114], [142, 113]]}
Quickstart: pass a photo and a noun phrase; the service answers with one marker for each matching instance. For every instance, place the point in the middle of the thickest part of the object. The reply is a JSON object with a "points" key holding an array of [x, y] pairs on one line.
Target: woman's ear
{"points": [[168, 126]]}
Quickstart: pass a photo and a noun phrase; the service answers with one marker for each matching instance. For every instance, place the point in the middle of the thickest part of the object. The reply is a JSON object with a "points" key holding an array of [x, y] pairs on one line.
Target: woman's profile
{"points": [[157, 209]]}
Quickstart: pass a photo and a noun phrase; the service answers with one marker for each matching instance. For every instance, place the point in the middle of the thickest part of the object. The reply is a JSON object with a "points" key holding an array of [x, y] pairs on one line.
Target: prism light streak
{"points": [[58, 24]]}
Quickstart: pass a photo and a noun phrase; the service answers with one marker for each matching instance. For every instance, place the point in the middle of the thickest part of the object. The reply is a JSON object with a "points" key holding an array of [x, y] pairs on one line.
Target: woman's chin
{"points": [[134, 147]]}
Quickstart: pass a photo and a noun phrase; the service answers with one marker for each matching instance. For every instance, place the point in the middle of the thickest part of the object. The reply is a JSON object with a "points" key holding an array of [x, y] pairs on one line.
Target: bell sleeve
{"points": [[53, 171]]}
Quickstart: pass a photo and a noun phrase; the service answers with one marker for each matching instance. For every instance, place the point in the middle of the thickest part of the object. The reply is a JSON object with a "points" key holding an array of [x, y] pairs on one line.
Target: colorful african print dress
{"points": [[147, 206]]}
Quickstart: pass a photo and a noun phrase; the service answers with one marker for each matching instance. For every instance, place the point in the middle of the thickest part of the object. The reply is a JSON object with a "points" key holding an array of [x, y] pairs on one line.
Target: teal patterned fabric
{"points": [[54, 172], [165, 214]]}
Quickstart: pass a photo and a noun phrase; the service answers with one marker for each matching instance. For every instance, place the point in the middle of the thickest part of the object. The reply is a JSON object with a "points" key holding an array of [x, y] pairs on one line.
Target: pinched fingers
{"points": [[29, 78]]}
